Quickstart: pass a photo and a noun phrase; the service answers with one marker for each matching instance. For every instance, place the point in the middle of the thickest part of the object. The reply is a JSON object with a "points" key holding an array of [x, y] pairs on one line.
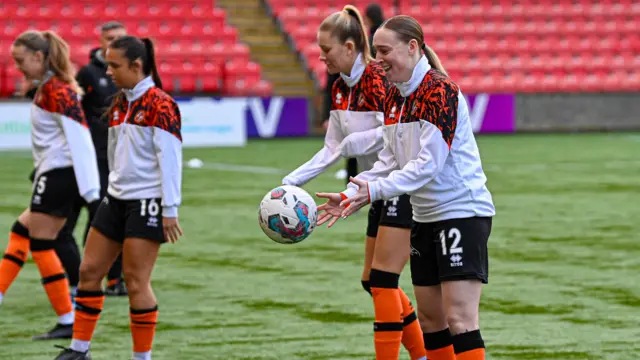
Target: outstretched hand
{"points": [[336, 208], [357, 201], [331, 210]]}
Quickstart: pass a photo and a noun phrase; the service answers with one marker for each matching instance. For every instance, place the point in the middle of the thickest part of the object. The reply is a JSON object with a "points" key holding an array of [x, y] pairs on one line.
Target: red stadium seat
{"points": [[529, 45], [184, 31]]}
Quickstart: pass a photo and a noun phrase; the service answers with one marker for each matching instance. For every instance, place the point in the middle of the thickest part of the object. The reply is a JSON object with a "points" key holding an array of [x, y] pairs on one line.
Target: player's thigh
{"points": [[392, 249], [394, 234], [25, 218], [461, 301], [45, 227], [99, 253], [369, 248], [373, 224], [143, 237], [139, 256], [431, 309]]}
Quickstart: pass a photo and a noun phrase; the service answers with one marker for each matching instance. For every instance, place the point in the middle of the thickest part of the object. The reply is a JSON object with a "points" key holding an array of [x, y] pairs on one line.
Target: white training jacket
{"points": [[145, 147], [355, 122], [60, 137], [429, 151]]}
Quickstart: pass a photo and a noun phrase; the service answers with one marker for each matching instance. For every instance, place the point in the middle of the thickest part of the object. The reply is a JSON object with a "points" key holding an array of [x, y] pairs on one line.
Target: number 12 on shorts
{"points": [[453, 234]]}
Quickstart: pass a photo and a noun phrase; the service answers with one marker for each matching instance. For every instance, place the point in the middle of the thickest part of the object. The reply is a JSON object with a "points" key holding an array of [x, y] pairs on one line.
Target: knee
{"points": [[431, 321], [462, 317], [135, 283], [90, 273]]}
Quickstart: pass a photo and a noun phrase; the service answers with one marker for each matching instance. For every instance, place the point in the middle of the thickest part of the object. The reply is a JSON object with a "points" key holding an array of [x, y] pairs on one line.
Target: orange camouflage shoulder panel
{"points": [[435, 101], [166, 113], [56, 96], [367, 95]]}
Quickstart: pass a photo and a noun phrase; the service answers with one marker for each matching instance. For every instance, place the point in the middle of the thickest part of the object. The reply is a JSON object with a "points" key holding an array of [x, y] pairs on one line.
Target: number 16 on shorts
{"points": [[450, 246], [150, 208]]}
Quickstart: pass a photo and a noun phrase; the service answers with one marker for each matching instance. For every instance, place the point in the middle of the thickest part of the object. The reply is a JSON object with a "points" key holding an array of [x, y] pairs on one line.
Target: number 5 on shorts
{"points": [[455, 235], [153, 208], [41, 186]]}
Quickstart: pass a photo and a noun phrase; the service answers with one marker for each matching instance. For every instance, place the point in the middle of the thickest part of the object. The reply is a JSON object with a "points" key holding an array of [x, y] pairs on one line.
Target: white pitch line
{"points": [[250, 169], [533, 167]]}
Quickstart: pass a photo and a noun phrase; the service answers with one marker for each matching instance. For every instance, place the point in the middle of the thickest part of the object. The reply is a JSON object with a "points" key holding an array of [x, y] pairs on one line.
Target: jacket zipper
{"points": [[400, 117]]}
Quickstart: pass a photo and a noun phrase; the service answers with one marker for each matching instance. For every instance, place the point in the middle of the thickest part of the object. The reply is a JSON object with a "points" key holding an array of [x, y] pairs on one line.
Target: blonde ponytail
{"points": [[348, 25], [433, 58], [59, 61], [366, 47]]}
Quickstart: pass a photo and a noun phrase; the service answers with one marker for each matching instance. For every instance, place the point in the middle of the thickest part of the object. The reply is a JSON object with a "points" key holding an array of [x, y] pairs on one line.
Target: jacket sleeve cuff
{"points": [[288, 181], [374, 193], [170, 211], [349, 192], [92, 196]]}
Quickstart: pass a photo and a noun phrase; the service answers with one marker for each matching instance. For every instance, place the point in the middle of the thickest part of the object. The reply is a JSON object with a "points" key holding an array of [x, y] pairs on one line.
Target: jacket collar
{"points": [[140, 88], [419, 71], [356, 72]]}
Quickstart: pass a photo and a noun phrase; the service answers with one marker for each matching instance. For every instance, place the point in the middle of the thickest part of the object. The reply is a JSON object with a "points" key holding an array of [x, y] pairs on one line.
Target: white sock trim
{"points": [[80, 345], [66, 319], [142, 355]]}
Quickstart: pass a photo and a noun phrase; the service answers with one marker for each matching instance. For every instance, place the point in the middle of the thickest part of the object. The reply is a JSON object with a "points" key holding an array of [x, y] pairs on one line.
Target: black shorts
{"points": [[55, 192], [121, 219], [450, 250], [396, 212]]}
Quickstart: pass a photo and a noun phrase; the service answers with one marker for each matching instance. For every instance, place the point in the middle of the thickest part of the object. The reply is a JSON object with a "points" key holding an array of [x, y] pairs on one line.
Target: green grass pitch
{"points": [[564, 260]]}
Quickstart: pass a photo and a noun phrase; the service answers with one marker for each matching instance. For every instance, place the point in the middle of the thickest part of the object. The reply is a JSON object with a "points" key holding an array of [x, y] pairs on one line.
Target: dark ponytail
{"points": [[150, 67], [142, 49]]}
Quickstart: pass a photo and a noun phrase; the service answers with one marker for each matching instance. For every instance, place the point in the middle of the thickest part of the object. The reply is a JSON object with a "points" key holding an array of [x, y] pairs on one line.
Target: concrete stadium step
{"points": [[291, 91], [268, 47]]}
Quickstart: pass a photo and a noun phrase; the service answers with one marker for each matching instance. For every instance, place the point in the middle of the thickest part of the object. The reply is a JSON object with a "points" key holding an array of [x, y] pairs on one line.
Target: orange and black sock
{"points": [[388, 314], [89, 305], [469, 346], [14, 256], [143, 329], [439, 345], [53, 277], [412, 338]]}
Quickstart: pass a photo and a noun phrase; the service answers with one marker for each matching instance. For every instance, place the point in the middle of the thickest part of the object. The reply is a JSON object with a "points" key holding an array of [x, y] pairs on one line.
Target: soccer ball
{"points": [[288, 214]]}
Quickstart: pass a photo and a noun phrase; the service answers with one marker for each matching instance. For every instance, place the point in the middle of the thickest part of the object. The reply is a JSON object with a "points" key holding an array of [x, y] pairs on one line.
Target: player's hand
{"points": [[172, 229], [325, 124], [357, 201], [331, 210]]}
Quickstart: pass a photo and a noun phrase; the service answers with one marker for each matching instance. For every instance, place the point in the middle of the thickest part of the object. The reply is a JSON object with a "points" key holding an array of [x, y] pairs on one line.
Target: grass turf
{"points": [[564, 256]]}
